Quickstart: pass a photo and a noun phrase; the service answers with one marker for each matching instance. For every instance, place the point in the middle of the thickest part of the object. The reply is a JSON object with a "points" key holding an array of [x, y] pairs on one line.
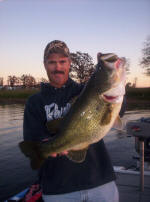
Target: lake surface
{"points": [[15, 172]]}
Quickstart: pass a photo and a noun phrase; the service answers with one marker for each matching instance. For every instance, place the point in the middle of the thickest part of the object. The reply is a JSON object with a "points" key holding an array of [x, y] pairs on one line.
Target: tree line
{"points": [[82, 67], [25, 81]]}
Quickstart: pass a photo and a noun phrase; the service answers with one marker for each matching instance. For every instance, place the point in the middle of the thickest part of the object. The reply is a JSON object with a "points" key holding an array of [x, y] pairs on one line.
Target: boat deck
{"points": [[128, 185]]}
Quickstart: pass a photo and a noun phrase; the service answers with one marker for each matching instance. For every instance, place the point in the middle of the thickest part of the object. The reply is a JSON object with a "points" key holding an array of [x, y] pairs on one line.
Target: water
{"points": [[15, 172]]}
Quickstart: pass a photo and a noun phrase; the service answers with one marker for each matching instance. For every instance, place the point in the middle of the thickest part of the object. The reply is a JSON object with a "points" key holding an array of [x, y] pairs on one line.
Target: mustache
{"points": [[58, 72]]}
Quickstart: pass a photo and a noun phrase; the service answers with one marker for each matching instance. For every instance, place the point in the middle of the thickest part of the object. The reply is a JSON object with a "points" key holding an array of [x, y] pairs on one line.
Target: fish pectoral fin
{"points": [[36, 162], [118, 123], [27, 148], [77, 156], [106, 118]]}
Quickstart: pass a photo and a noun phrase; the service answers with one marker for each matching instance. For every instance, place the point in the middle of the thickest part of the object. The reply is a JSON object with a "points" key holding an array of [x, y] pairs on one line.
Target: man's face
{"points": [[57, 67]]}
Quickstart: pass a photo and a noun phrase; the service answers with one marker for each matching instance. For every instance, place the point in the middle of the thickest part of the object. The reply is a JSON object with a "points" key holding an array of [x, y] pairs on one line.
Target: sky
{"points": [[89, 26]]}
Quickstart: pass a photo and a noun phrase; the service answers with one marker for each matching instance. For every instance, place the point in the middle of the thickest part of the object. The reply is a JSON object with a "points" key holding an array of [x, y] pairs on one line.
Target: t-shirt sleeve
{"points": [[34, 127]]}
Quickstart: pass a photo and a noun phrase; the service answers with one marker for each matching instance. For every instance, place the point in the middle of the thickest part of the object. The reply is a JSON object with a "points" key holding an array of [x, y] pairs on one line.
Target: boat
{"points": [[18, 197], [30, 194]]}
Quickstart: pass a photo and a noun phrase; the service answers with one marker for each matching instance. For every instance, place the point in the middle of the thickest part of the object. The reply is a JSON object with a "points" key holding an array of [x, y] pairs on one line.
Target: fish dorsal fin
{"points": [[28, 148], [36, 163], [118, 123], [77, 156], [106, 118]]}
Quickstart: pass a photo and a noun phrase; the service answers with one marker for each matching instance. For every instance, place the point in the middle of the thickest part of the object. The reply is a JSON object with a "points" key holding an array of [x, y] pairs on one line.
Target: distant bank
{"points": [[137, 98], [17, 96]]}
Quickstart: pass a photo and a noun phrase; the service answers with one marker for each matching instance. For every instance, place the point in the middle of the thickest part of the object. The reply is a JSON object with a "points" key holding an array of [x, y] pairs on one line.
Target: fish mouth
{"points": [[112, 99], [115, 94]]}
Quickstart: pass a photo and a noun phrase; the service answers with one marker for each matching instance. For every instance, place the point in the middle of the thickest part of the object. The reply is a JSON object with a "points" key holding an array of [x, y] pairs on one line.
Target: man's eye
{"points": [[62, 62]]}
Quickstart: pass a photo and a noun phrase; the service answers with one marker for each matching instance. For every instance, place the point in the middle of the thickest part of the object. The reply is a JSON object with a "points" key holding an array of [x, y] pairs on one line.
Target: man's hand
{"points": [[60, 154], [55, 154]]}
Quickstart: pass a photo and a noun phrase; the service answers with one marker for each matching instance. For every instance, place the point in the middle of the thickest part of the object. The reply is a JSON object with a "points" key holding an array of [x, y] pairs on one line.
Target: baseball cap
{"points": [[56, 46]]}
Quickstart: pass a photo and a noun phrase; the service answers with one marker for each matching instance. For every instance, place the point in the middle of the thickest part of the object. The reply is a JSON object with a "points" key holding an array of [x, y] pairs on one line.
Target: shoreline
{"points": [[132, 103], [7, 101], [137, 104]]}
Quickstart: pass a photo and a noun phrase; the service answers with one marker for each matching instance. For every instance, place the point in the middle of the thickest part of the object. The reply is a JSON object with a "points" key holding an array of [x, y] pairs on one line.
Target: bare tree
{"points": [[127, 65], [40, 80], [43, 80], [28, 81], [12, 80], [145, 61], [23, 79], [82, 66]]}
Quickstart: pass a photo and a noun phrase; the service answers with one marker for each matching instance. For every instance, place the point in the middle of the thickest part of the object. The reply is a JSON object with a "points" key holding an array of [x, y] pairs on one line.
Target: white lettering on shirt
{"points": [[52, 111]]}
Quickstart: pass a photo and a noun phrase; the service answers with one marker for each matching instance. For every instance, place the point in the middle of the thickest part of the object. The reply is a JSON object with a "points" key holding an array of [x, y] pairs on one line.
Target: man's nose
{"points": [[58, 66]]}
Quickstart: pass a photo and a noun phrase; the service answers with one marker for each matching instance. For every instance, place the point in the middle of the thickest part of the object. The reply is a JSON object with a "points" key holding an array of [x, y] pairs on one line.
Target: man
{"points": [[61, 179]]}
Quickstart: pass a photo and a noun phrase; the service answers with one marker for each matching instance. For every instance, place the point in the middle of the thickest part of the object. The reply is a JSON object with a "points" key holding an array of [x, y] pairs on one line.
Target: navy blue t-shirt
{"points": [[60, 175]]}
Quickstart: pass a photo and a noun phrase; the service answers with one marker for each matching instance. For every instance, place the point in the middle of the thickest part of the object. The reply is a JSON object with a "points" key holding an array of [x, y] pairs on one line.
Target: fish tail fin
{"points": [[36, 163], [30, 150]]}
